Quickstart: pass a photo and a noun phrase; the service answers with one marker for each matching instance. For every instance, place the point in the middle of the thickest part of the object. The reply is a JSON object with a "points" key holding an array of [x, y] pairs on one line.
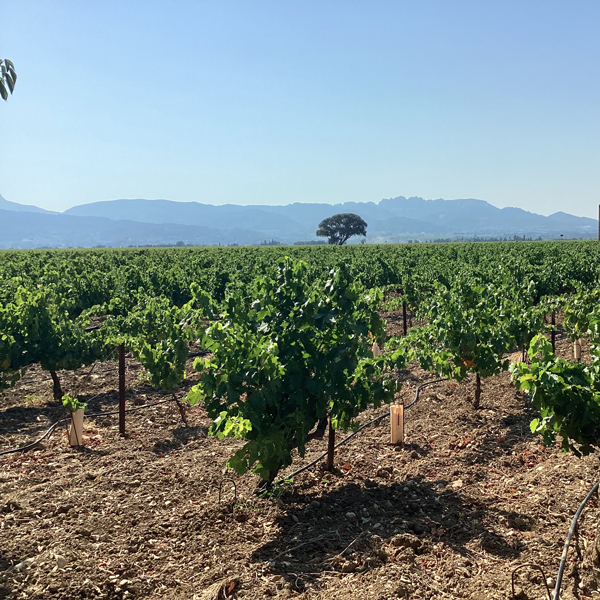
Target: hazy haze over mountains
{"points": [[149, 222]]}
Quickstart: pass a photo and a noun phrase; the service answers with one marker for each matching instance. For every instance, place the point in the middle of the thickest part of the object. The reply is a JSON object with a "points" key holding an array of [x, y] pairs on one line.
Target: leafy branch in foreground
{"points": [[286, 355], [8, 78]]}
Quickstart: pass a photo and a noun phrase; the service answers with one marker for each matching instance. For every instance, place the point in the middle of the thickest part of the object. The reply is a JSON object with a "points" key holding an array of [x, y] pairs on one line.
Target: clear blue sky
{"points": [[302, 101]]}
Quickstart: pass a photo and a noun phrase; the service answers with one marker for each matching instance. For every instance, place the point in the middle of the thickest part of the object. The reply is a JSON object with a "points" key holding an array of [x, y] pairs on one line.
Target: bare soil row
{"points": [[471, 496]]}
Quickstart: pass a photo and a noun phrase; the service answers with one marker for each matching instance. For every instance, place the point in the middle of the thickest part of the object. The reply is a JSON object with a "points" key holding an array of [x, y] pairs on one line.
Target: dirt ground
{"points": [[470, 497]]}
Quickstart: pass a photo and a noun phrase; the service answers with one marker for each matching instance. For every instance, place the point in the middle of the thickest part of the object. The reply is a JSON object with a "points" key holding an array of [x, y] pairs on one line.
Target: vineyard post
{"points": [[397, 423], [122, 389], [577, 350], [404, 317], [330, 446], [553, 333]]}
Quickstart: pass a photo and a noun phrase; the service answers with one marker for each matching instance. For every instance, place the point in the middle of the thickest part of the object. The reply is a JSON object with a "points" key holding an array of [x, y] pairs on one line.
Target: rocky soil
{"points": [[471, 497]]}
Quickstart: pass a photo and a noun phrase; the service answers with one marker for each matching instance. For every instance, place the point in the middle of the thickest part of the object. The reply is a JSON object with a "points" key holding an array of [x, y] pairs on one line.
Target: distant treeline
{"points": [[476, 238]]}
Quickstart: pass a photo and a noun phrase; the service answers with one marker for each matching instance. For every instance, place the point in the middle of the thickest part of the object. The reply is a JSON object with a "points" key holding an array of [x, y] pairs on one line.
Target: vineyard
{"points": [[211, 377]]}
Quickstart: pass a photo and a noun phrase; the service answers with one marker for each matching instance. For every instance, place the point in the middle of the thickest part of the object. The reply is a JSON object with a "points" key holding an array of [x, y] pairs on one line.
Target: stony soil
{"points": [[470, 497]]}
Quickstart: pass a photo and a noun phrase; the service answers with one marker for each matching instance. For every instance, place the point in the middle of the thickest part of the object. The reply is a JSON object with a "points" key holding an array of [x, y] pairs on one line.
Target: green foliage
{"points": [[567, 394], [284, 356], [8, 78], [578, 310], [37, 328], [73, 404], [147, 298], [470, 325], [157, 333], [9, 374], [340, 228]]}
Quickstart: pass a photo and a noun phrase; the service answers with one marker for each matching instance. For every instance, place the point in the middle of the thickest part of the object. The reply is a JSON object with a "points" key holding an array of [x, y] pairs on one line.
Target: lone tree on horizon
{"points": [[340, 228]]}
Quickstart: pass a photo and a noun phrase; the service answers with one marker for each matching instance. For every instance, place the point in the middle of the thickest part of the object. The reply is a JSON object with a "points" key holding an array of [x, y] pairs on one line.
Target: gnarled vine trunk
{"points": [[56, 388]]}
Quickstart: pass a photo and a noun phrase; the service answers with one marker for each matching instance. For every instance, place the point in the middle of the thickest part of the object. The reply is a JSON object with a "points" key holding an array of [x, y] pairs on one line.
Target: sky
{"points": [[255, 102]]}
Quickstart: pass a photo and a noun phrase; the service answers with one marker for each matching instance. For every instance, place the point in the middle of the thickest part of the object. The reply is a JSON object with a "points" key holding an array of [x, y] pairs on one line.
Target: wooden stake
{"points": [[330, 446], [397, 422], [122, 389], [76, 430], [404, 323], [553, 333]]}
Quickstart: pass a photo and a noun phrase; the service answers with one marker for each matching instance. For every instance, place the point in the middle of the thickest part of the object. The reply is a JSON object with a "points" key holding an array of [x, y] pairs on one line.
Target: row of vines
{"points": [[288, 342]]}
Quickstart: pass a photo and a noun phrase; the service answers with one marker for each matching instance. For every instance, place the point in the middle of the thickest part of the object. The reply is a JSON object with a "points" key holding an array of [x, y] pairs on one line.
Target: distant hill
{"points": [[14, 206], [391, 218], [148, 222], [34, 230], [229, 216]]}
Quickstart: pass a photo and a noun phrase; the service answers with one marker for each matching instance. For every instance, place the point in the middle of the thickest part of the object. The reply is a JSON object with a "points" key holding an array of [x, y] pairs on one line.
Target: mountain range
{"points": [[153, 222]]}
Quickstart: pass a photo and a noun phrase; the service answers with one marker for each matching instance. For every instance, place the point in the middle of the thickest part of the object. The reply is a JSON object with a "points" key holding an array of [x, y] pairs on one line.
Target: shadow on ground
{"points": [[8, 562], [354, 528], [181, 437]]}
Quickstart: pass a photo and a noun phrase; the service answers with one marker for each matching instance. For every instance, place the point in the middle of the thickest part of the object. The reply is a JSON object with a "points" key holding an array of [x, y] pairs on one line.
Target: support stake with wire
{"points": [[330, 446], [122, 389]]}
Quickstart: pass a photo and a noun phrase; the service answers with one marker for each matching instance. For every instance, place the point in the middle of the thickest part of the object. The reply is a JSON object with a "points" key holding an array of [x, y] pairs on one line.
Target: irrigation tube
{"points": [[419, 389], [90, 416], [349, 437], [32, 444], [563, 560]]}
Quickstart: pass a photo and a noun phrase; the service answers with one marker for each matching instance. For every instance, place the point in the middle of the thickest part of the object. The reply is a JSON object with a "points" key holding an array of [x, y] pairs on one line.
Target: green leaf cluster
{"points": [[579, 309], [469, 325], [36, 327], [567, 394], [73, 404], [158, 334], [284, 355]]}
